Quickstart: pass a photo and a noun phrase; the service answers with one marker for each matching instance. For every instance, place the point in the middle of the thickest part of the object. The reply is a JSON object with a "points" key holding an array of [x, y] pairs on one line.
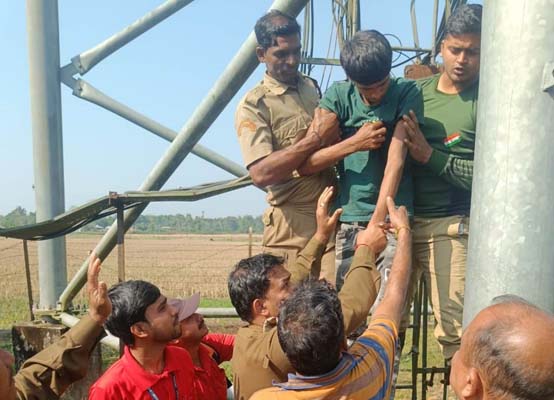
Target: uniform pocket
{"points": [[289, 131], [459, 227]]}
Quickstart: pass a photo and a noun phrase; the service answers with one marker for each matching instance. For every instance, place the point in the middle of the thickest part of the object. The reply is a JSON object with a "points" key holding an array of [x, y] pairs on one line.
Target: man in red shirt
{"points": [[148, 369], [207, 350]]}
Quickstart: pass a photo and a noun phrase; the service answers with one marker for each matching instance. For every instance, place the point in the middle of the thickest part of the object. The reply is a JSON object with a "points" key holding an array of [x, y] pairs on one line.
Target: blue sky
{"points": [[163, 74]]}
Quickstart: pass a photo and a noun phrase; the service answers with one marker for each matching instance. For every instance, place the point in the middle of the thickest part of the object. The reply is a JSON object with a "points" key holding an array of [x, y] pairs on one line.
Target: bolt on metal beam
{"points": [[86, 91]]}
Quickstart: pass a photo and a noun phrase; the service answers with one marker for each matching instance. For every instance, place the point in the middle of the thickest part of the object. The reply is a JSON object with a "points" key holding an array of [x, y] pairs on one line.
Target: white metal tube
{"points": [[46, 118]]}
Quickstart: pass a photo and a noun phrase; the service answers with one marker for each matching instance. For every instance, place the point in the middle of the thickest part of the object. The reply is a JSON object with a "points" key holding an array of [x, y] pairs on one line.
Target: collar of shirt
{"points": [[300, 382], [206, 355], [277, 87], [269, 324], [144, 379]]}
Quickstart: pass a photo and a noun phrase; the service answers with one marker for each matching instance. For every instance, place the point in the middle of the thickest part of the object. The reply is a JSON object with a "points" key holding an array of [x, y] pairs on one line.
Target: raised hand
{"points": [[416, 143], [373, 237], [370, 136], [326, 224], [398, 216], [100, 306]]}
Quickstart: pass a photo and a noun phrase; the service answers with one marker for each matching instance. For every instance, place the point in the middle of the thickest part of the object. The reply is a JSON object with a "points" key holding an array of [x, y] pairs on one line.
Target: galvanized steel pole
{"points": [[46, 117], [512, 215], [85, 61], [86, 91], [231, 80]]}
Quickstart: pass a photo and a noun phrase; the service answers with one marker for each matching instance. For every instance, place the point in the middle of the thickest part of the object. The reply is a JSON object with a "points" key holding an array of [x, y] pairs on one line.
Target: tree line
{"points": [[177, 223]]}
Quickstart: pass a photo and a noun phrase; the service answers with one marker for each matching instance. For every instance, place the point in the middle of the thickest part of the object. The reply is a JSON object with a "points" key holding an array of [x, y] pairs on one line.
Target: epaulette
{"points": [[254, 95], [316, 85]]}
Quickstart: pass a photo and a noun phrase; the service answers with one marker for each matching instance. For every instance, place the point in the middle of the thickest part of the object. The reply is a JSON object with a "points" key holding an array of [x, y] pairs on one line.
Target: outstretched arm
{"points": [[393, 302], [393, 173], [361, 283], [51, 371], [310, 256]]}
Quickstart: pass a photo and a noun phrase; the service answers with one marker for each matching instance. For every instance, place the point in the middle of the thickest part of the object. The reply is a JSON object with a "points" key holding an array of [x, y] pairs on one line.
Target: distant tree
{"points": [[17, 217], [178, 223]]}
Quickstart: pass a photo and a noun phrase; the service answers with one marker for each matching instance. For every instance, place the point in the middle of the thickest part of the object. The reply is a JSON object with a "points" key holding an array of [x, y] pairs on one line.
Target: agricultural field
{"points": [[179, 264]]}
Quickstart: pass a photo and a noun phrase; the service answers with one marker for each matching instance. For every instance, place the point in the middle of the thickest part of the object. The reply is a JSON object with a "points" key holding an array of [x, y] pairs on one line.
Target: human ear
{"points": [[140, 329], [260, 308], [260, 53], [473, 385]]}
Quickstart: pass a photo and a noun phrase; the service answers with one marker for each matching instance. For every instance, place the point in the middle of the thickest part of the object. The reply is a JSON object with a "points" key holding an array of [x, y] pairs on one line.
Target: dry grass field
{"points": [[179, 264]]}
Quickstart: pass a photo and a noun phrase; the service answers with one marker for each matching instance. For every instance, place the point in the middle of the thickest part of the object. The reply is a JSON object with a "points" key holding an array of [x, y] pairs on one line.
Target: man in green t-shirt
{"points": [[443, 171], [370, 154]]}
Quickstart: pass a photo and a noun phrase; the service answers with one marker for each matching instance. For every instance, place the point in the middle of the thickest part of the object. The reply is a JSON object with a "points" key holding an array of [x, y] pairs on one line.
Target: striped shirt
{"points": [[364, 372]]}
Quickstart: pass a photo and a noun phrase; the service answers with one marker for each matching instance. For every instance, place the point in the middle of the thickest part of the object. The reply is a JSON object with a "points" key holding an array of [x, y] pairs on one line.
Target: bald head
{"points": [[507, 350]]}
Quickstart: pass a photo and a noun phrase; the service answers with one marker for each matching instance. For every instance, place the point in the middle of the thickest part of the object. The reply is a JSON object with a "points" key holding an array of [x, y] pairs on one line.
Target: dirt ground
{"points": [[179, 264]]}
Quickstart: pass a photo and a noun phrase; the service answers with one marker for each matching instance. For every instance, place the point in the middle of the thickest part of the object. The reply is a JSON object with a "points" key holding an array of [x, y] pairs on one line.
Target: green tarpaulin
{"points": [[107, 205]]}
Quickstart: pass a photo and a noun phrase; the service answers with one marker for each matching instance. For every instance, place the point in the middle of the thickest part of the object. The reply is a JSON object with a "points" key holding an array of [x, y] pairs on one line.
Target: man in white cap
{"points": [[207, 350]]}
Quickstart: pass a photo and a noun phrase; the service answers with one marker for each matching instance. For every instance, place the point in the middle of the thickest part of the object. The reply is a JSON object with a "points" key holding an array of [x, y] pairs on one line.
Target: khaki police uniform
{"points": [[258, 358], [272, 116], [50, 372]]}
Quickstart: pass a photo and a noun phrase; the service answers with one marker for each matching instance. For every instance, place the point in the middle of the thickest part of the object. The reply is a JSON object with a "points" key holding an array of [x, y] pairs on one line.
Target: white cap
{"points": [[185, 307]]}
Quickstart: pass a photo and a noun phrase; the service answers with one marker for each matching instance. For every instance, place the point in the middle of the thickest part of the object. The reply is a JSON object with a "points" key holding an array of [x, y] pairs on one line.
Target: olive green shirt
{"points": [[442, 187], [50, 372]]}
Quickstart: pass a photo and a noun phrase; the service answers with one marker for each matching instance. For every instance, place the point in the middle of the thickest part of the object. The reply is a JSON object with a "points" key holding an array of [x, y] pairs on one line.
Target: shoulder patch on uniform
{"points": [[246, 126]]}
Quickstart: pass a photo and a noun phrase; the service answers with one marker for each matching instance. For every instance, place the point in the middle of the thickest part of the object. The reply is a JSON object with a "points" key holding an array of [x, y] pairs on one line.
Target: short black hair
{"points": [[267, 29], [130, 300], [311, 328], [466, 19], [249, 280], [367, 57]]}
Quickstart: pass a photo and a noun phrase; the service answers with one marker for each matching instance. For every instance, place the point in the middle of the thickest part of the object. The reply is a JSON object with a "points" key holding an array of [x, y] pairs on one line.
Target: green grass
{"points": [[215, 303], [13, 310]]}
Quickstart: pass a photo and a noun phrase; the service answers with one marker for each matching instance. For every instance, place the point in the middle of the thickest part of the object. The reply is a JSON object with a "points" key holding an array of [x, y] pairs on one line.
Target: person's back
{"points": [[258, 353], [364, 372]]}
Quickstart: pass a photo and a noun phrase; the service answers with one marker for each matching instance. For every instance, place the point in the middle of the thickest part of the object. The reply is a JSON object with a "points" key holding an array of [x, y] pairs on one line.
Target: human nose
{"points": [[293, 59], [462, 57], [173, 310]]}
